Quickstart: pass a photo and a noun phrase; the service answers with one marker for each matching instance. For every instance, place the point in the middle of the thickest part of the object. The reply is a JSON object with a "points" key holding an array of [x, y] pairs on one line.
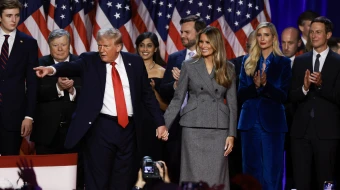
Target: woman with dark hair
{"points": [[209, 123], [147, 46]]}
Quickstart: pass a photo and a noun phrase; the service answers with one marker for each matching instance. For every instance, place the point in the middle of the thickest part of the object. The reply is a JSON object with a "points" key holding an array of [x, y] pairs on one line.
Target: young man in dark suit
{"points": [[190, 27], [18, 84], [108, 117], [315, 131]]}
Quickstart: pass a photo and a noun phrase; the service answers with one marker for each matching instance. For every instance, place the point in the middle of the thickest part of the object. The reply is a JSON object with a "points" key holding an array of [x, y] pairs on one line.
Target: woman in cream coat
{"points": [[209, 124]]}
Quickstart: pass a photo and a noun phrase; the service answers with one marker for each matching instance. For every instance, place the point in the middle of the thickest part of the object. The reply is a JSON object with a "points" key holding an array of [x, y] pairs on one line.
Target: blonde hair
{"points": [[255, 50], [224, 72]]}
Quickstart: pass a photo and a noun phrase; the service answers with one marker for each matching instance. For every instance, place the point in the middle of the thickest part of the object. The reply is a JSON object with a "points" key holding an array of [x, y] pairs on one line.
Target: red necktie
{"points": [[122, 114], [4, 53]]}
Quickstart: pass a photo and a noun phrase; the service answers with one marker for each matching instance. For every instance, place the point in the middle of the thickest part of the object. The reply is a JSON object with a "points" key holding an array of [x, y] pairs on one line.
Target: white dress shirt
{"points": [[109, 103], [10, 40], [292, 61], [61, 92], [187, 56]]}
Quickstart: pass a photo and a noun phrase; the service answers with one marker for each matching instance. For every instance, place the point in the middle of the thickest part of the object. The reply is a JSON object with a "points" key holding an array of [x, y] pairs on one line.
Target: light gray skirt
{"points": [[202, 156]]}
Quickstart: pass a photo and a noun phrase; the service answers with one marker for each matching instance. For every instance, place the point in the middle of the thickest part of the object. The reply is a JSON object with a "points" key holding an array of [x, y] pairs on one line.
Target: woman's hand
{"points": [[257, 79], [229, 144]]}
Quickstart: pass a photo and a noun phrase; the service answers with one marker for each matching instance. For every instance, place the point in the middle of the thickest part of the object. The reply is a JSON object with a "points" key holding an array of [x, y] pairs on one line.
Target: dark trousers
{"points": [[109, 153], [263, 156], [10, 141], [309, 152]]}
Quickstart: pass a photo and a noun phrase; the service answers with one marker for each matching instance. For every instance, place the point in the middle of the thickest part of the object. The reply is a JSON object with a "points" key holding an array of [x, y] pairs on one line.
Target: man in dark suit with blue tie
{"points": [[108, 117], [190, 27], [315, 131], [18, 84]]}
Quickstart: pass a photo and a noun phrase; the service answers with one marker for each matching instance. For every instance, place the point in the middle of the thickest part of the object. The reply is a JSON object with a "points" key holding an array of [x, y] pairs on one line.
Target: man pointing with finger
{"points": [[108, 116]]}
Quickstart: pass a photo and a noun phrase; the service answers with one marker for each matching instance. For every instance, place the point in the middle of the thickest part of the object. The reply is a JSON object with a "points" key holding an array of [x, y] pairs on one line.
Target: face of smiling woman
{"points": [[146, 49], [205, 46]]}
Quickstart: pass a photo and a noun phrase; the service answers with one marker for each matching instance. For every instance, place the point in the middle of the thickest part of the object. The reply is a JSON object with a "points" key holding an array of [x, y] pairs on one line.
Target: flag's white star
{"points": [[167, 27], [198, 14], [62, 16], [92, 2], [63, 7], [219, 9], [190, 1], [257, 7], [154, 1], [209, 6], [240, 2], [84, 1], [159, 14], [71, 8], [127, 7], [117, 15], [168, 16], [238, 13], [170, 5], [77, 1], [200, 4], [229, 10], [119, 6], [236, 23], [188, 12], [250, 5], [109, 4], [231, 0], [248, 15], [207, 17], [161, 3], [26, 5]]}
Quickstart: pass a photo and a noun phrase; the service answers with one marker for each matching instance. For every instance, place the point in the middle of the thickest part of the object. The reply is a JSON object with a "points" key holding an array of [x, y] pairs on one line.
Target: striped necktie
{"points": [[4, 53]]}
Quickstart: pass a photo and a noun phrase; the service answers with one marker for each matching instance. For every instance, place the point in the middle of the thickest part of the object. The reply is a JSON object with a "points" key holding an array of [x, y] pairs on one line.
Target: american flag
{"points": [[83, 18], [75, 16]]}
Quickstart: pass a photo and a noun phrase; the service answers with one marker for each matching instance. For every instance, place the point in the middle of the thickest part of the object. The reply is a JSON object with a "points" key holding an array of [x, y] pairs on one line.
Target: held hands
{"points": [[65, 84], [162, 133], [229, 144], [43, 71], [176, 73], [26, 127], [311, 78]]}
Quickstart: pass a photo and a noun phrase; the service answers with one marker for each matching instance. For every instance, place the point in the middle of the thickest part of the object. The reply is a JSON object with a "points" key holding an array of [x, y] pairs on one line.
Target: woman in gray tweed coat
{"points": [[209, 123]]}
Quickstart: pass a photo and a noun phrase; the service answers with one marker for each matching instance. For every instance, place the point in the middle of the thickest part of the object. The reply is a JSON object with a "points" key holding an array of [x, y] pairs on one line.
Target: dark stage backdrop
{"points": [[285, 12]]}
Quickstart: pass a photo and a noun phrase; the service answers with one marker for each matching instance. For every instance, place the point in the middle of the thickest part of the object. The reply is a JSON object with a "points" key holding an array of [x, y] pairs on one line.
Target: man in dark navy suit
{"points": [[18, 83], [190, 27], [108, 117]]}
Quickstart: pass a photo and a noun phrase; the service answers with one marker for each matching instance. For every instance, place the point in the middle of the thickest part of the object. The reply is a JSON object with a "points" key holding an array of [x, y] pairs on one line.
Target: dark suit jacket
{"points": [[90, 102], [167, 89], [51, 109], [325, 100], [237, 63], [265, 103], [18, 83]]}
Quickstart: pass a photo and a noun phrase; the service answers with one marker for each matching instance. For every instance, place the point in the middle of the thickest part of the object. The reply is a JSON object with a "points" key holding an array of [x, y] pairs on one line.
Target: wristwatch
{"points": [[138, 188]]}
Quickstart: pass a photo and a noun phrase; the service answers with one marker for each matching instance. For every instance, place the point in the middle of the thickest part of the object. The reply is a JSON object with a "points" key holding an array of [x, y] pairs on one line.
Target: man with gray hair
{"points": [[56, 101], [108, 117]]}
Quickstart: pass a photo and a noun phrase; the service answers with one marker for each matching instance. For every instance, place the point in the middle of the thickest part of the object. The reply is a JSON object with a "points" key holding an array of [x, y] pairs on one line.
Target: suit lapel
{"points": [[310, 62], [328, 64], [16, 51], [129, 72], [101, 71], [204, 75]]}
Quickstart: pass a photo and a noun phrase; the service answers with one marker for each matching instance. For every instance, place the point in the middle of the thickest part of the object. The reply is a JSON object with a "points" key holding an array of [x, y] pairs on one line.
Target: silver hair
{"points": [[110, 33], [57, 34]]}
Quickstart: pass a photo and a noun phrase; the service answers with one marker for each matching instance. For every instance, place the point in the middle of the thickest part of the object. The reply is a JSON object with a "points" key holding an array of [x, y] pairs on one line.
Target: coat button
{"points": [[201, 88], [90, 122]]}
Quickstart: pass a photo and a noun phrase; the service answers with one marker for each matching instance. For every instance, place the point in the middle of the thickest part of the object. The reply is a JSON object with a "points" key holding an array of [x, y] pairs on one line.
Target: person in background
{"points": [[264, 82], [147, 46], [209, 124], [56, 101], [315, 132], [334, 45], [290, 42], [303, 23], [18, 83], [190, 27], [108, 117]]}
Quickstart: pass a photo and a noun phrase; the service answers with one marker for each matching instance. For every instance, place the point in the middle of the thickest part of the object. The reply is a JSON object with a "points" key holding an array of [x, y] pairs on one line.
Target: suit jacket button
{"points": [[90, 122], [202, 88], [216, 90]]}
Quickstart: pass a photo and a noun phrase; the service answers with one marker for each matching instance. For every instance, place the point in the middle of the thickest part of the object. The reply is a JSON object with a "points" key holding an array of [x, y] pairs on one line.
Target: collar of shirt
{"points": [[11, 35], [187, 56], [304, 41], [66, 60], [268, 60], [292, 60], [322, 58]]}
